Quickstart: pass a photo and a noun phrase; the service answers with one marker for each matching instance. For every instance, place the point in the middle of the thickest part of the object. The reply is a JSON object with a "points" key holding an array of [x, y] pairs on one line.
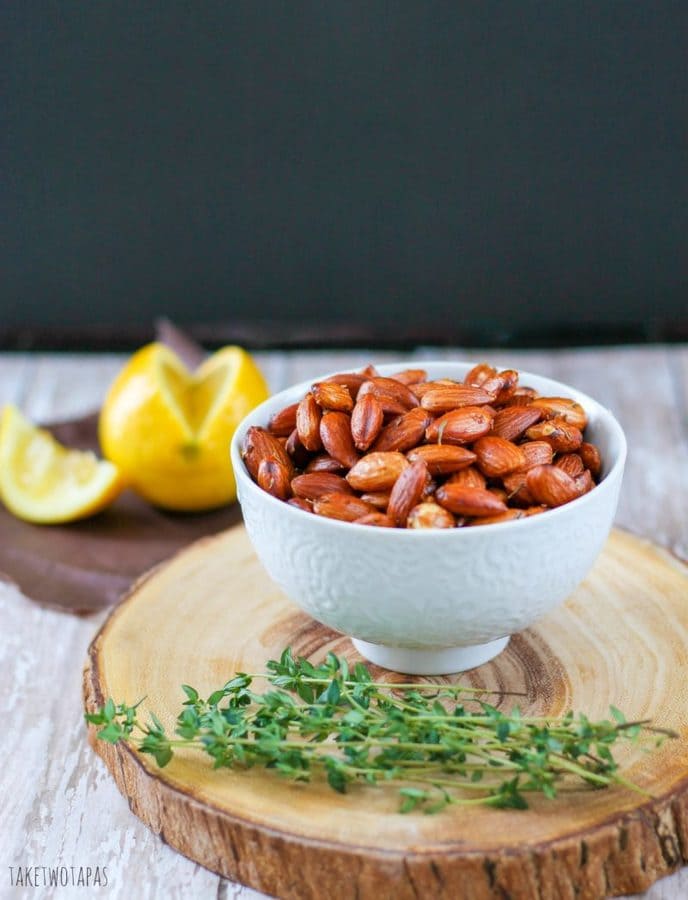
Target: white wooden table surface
{"points": [[59, 806]]}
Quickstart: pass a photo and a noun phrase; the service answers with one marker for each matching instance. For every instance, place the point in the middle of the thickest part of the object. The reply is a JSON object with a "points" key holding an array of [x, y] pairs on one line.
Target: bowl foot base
{"points": [[430, 662]]}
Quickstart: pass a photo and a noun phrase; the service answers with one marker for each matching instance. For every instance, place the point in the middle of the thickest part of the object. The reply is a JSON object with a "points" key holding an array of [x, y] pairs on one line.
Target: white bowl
{"points": [[436, 601]]}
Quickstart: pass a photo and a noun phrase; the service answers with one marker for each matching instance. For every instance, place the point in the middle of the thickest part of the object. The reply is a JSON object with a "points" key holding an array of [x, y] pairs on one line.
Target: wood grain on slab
{"points": [[60, 806], [621, 638]]}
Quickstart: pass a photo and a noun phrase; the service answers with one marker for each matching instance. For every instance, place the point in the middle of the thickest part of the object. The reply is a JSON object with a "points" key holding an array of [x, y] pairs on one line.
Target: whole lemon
{"points": [[168, 430]]}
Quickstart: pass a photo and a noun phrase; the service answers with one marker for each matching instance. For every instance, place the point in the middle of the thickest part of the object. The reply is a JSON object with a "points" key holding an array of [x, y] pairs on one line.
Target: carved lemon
{"points": [[168, 430]]}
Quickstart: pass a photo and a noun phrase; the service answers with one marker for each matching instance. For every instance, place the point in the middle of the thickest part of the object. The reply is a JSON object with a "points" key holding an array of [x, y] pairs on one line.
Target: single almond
{"points": [[410, 376], [591, 458], [571, 463], [298, 453], [366, 421], [479, 374], [469, 477], [522, 396], [501, 386], [537, 453], [314, 484], [273, 477], [300, 503], [516, 490], [403, 432], [324, 463], [447, 397], [407, 491], [282, 423], [370, 372], [559, 434], [377, 519], [466, 501], [335, 434], [442, 459], [430, 515], [505, 516], [422, 387], [563, 408], [330, 395], [394, 396], [497, 457], [353, 380], [377, 471], [378, 499], [551, 486], [584, 481], [308, 415], [511, 422], [342, 506], [461, 426], [259, 445]]}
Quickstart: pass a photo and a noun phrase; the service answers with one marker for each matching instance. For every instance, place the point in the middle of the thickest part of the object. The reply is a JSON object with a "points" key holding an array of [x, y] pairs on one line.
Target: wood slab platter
{"points": [[621, 638]]}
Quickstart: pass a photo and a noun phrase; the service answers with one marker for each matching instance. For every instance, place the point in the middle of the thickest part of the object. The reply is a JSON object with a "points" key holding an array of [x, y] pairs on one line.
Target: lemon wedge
{"points": [[41, 481], [168, 429]]}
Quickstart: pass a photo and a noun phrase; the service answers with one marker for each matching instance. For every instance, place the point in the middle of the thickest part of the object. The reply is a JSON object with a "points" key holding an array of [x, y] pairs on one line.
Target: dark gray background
{"points": [[345, 169]]}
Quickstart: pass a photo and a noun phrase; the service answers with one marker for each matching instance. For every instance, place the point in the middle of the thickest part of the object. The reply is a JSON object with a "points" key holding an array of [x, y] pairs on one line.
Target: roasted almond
{"points": [[430, 515], [273, 476], [559, 434], [404, 432], [563, 408], [300, 503], [258, 445], [537, 453], [394, 396], [377, 519], [469, 477], [551, 486], [584, 481], [342, 506], [512, 421], [296, 450], [330, 395], [315, 484], [505, 516], [447, 397], [282, 423], [466, 501], [501, 386], [479, 374], [366, 421], [351, 379], [377, 471], [591, 458], [516, 490], [497, 457], [324, 463], [410, 376], [442, 459], [308, 415], [335, 434], [407, 491], [571, 463], [378, 499], [461, 426], [522, 396], [422, 387]]}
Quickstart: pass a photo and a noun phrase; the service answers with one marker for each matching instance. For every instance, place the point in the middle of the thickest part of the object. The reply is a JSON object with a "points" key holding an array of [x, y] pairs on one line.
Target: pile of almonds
{"points": [[405, 452]]}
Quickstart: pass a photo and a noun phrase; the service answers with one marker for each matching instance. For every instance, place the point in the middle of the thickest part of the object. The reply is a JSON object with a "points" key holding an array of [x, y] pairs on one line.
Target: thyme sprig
{"points": [[440, 745]]}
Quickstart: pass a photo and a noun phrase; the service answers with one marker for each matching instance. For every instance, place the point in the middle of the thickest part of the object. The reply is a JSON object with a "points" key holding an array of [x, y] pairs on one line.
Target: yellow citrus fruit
{"points": [[168, 430], [42, 481]]}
